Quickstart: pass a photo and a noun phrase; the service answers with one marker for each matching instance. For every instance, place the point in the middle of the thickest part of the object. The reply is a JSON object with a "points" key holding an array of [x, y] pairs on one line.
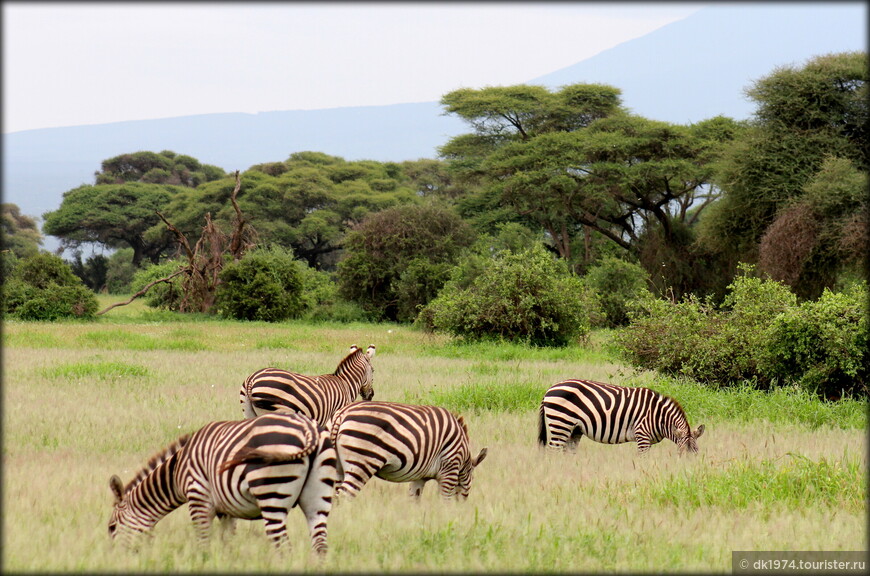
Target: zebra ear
{"points": [[354, 348], [117, 488], [479, 458], [699, 431], [370, 352]]}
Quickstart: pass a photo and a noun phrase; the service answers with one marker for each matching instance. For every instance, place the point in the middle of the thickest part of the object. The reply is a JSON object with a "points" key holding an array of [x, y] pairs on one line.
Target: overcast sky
{"points": [[70, 64]]}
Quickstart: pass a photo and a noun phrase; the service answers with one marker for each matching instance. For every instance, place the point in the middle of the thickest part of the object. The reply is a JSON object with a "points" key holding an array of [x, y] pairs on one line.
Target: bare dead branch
{"points": [[142, 291]]}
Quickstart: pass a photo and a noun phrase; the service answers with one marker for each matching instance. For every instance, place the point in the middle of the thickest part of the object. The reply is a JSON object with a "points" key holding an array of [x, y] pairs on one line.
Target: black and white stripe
{"points": [[612, 415], [403, 443], [317, 397], [250, 469]]}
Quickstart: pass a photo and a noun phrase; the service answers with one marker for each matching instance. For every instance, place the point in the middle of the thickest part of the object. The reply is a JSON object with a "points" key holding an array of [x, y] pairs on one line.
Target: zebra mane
{"points": [[678, 406], [354, 351], [156, 460]]}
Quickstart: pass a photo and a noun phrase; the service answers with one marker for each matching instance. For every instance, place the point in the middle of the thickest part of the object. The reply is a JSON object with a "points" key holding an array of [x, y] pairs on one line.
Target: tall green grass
{"points": [[83, 401]]}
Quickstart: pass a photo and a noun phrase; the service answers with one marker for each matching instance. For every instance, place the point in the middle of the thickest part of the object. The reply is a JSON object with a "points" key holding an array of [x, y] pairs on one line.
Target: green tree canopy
{"points": [[573, 162], [114, 215], [165, 167], [21, 233]]}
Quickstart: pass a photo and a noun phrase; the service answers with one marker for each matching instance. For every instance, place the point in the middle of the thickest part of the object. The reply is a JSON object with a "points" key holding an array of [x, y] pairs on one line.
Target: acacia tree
{"points": [[576, 163], [114, 215]]}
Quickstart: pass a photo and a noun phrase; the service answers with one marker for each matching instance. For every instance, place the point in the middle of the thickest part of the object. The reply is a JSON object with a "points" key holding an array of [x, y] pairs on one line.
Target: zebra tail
{"points": [[274, 454], [542, 428]]}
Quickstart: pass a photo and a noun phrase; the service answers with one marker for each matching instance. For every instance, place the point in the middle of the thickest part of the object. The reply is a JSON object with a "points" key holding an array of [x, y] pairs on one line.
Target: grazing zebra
{"points": [[250, 469], [318, 397], [612, 415], [403, 443]]}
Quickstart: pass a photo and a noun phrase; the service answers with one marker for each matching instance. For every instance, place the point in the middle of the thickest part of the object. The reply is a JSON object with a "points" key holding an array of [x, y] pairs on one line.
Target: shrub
{"points": [[822, 344], [321, 300], [264, 285], [165, 295], [398, 259], [759, 334], [43, 287], [616, 283], [528, 296]]}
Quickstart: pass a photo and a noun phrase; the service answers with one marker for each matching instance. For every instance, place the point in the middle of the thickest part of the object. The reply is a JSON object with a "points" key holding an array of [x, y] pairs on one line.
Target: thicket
{"points": [[760, 333], [528, 296], [264, 285], [43, 287], [617, 284]]}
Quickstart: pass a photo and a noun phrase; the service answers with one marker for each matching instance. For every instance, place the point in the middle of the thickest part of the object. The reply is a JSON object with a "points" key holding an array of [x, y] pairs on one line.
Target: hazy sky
{"points": [[70, 64]]}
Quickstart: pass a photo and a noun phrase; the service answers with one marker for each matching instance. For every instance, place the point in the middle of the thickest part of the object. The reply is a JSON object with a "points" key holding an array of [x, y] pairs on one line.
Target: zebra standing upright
{"points": [[317, 397], [611, 415], [250, 469], [403, 443]]}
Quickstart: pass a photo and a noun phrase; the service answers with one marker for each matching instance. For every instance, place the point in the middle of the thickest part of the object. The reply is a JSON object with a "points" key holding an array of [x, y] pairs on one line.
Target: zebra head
{"points": [[468, 464], [466, 471], [119, 526], [687, 440], [367, 390]]}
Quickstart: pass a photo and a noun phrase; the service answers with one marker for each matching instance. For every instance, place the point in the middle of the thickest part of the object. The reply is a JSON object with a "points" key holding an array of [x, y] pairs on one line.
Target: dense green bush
{"points": [[822, 344], [165, 295], [43, 287], [529, 296], [760, 333], [397, 260], [264, 285], [616, 283], [321, 300]]}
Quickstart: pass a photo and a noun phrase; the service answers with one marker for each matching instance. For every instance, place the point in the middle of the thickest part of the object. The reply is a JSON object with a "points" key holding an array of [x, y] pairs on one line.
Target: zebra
{"points": [[248, 469], [612, 415], [403, 443], [318, 397]]}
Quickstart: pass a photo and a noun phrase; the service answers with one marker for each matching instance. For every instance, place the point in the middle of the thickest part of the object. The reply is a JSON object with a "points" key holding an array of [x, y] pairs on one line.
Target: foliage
{"points": [[321, 300], [759, 334], [805, 116], [43, 287], [822, 345], [165, 167], [20, 233], [616, 283], [164, 295], [120, 271], [92, 271], [115, 215], [573, 162], [264, 285], [819, 235], [528, 296], [397, 259]]}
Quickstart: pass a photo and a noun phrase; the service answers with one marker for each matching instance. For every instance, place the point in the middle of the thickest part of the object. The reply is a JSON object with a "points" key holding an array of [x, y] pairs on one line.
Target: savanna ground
{"points": [[83, 401]]}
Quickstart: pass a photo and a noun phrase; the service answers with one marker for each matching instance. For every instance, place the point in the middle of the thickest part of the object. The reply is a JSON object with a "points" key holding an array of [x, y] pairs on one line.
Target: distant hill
{"points": [[684, 72], [697, 67]]}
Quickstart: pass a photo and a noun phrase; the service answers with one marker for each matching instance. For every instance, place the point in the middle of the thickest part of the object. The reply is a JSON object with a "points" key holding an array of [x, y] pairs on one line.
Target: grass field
{"points": [[83, 401]]}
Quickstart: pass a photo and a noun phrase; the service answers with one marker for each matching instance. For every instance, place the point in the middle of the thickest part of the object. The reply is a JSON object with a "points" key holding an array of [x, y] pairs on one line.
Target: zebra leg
{"points": [[227, 526], [315, 500], [201, 513], [416, 488], [355, 477]]}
